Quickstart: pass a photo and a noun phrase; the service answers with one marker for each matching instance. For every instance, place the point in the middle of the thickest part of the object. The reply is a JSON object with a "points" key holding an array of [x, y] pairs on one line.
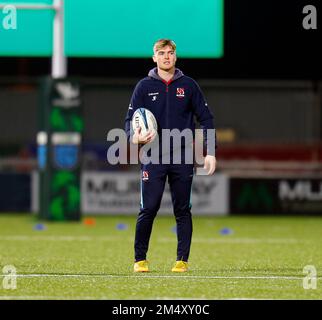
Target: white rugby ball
{"points": [[145, 119]]}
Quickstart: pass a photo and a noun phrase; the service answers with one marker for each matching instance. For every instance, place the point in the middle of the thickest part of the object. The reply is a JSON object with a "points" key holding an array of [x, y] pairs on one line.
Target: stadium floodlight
{"points": [[59, 60]]}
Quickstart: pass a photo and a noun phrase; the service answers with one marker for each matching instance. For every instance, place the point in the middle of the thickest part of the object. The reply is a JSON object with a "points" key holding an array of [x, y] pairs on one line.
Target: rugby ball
{"points": [[145, 119]]}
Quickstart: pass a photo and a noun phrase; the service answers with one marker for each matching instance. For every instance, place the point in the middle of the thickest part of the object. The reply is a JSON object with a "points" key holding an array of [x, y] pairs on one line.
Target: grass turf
{"points": [[260, 258]]}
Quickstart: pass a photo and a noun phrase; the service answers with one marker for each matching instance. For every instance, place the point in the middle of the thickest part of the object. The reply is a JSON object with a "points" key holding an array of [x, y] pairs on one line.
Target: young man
{"points": [[174, 99]]}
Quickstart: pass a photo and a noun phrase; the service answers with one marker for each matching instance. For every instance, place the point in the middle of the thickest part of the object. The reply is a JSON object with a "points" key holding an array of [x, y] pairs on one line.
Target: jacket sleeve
{"points": [[205, 119], [136, 102]]}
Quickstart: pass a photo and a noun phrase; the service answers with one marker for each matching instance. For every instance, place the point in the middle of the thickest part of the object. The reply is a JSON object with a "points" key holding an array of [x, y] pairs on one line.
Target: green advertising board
{"points": [[109, 28]]}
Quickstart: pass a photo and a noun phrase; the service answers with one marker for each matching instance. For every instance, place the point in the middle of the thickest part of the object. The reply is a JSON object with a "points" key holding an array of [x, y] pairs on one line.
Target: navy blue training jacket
{"points": [[174, 104]]}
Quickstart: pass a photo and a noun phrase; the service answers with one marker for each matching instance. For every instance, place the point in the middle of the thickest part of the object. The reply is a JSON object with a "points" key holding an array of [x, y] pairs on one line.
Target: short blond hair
{"points": [[161, 43]]}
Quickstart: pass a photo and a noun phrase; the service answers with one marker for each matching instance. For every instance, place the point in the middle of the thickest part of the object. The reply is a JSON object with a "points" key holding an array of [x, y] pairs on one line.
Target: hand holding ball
{"points": [[144, 126]]}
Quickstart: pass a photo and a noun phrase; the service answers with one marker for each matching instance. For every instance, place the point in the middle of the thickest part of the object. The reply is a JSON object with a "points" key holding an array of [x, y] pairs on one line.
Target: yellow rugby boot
{"points": [[180, 266], [141, 266]]}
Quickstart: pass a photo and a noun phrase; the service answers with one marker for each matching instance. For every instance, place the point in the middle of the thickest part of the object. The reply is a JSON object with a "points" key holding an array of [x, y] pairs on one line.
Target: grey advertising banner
{"points": [[119, 193]]}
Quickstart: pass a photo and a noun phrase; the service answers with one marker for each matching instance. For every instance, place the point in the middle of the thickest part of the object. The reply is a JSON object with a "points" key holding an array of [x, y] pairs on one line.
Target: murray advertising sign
{"points": [[114, 193]]}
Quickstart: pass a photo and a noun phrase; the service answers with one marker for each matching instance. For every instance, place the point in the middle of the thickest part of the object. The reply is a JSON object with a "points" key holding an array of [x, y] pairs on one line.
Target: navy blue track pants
{"points": [[153, 178]]}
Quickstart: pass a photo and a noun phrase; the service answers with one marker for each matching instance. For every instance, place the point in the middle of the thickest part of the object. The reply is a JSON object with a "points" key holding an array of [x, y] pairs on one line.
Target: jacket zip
{"points": [[167, 101], [167, 105]]}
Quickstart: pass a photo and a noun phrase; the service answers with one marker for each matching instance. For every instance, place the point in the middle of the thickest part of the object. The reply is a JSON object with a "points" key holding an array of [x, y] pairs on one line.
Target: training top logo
{"points": [[145, 175], [180, 92]]}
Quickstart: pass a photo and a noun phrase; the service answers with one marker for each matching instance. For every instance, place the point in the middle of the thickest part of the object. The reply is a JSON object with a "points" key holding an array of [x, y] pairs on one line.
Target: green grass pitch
{"points": [[262, 258]]}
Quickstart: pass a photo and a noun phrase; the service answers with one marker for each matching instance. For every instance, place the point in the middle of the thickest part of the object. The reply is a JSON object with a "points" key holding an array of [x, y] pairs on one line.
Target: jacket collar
{"points": [[153, 73]]}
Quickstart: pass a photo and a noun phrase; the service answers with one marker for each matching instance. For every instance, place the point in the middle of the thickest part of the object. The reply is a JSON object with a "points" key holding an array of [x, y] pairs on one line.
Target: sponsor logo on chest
{"points": [[153, 95]]}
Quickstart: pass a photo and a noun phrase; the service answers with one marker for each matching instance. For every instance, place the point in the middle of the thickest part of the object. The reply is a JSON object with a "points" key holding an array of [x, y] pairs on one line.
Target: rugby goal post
{"points": [[60, 128]]}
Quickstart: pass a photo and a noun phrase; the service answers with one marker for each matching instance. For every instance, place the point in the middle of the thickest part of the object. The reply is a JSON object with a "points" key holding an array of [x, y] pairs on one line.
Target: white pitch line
{"points": [[157, 276], [194, 240], [49, 298], [107, 298], [204, 298], [59, 238], [241, 240]]}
